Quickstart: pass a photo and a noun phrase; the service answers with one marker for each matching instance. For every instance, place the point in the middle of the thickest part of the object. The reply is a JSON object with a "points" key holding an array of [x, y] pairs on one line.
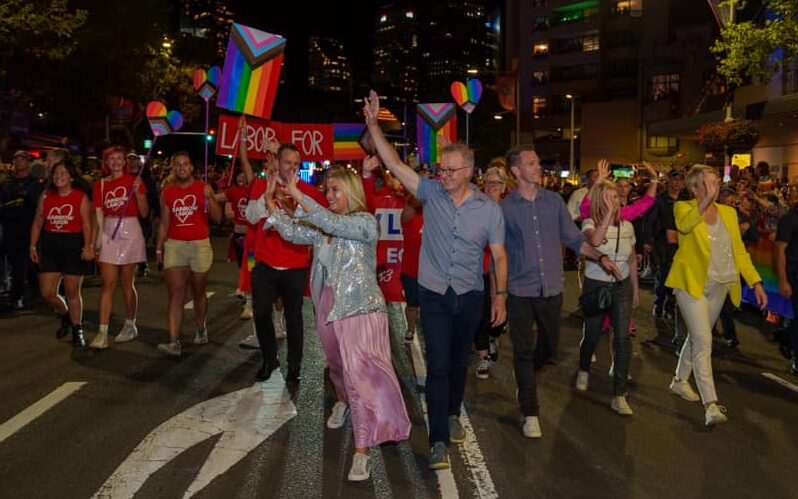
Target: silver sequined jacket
{"points": [[344, 256]]}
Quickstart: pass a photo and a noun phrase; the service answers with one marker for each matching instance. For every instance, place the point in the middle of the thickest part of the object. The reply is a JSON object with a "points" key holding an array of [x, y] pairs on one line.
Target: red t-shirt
{"points": [[188, 212], [412, 232], [113, 195], [272, 249], [61, 214], [238, 197]]}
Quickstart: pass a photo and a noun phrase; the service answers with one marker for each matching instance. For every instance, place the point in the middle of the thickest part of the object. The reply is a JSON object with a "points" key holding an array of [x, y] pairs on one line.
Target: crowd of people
{"points": [[482, 254]]}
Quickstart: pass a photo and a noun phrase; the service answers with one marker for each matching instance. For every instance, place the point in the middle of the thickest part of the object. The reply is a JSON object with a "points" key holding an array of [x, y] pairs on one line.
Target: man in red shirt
{"points": [[281, 268]]}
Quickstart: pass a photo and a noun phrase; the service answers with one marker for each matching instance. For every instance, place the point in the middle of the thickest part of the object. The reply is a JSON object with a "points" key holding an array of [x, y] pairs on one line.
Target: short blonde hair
{"points": [[463, 150], [694, 176], [352, 187], [498, 171], [597, 199]]}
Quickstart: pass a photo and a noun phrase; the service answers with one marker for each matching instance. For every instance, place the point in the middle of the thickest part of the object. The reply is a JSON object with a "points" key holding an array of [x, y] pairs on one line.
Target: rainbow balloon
{"points": [[435, 123], [346, 141], [467, 94], [251, 73]]}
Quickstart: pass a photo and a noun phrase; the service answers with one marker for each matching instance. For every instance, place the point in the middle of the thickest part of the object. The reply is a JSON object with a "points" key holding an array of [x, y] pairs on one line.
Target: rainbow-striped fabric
{"points": [[347, 141], [435, 123], [252, 71]]}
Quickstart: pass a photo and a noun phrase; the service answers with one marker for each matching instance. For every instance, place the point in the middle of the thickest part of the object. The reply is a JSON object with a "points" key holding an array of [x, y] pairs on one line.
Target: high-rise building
{"points": [[328, 66], [457, 39], [209, 19], [396, 56]]}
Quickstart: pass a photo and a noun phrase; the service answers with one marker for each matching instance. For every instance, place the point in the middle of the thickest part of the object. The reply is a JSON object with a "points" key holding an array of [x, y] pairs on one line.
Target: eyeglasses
{"points": [[450, 171], [494, 183]]}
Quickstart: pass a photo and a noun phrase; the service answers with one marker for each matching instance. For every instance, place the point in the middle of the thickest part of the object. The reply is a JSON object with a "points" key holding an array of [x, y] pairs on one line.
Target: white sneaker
{"points": [[593, 359], [279, 329], [201, 338], [129, 332], [246, 314], [100, 341], [621, 406], [174, 349], [360, 468], [250, 342], [581, 380], [715, 415], [684, 390], [532, 427], [338, 416]]}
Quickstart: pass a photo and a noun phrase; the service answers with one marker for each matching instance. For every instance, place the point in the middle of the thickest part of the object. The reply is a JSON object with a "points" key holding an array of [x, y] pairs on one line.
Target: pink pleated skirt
{"points": [[358, 351], [128, 245]]}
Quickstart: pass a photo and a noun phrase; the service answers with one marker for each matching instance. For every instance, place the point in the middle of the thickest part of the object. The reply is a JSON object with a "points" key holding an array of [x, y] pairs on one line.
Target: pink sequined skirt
{"points": [[358, 351], [128, 245]]}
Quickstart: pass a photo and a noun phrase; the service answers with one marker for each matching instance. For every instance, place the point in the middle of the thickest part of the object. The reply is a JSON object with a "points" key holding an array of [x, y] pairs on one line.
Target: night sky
{"points": [[351, 21]]}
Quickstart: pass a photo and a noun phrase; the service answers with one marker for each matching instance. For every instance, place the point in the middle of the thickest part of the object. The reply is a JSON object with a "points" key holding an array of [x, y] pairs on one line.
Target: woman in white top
{"points": [[615, 238]]}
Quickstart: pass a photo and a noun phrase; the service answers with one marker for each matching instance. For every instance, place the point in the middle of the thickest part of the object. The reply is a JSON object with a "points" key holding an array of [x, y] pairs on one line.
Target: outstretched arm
{"points": [[388, 154]]}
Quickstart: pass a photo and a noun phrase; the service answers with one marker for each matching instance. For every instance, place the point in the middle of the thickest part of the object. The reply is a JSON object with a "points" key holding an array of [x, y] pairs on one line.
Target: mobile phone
{"points": [[727, 174]]}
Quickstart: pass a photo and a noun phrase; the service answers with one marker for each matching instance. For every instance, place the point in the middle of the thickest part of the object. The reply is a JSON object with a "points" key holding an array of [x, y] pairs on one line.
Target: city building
{"points": [[328, 66], [396, 55], [209, 19]]}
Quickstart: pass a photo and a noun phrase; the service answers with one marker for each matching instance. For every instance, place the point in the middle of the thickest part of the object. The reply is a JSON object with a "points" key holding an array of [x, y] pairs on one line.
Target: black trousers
{"points": [[267, 284], [21, 266]]}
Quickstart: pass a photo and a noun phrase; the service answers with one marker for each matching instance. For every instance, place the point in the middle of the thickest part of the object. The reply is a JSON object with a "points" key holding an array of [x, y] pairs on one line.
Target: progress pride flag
{"points": [[315, 142]]}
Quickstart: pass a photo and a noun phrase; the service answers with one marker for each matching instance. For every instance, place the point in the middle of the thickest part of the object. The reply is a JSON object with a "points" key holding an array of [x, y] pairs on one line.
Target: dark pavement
{"points": [[177, 427]]}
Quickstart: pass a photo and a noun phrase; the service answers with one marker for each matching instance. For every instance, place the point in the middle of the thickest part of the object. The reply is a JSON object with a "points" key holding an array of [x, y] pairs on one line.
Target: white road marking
{"points": [[469, 450], [245, 418], [38, 408], [190, 304], [783, 382]]}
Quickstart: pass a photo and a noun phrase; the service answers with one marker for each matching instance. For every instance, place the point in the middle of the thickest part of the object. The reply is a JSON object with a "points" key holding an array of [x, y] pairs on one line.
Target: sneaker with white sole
{"points": [[338, 416], [684, 390], [457, 434], [715, 415], [493, 349], [246, 314], [250, 342], [100, 341], [581, 380], [621, 406], [531, 427], [173, 348], [483, 368], [129, 332], [360, 468], [201, 338], [439, 457]]}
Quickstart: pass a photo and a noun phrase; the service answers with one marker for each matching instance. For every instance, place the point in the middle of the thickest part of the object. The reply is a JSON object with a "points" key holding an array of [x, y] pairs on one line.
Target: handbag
{"points": [[599, 299]]}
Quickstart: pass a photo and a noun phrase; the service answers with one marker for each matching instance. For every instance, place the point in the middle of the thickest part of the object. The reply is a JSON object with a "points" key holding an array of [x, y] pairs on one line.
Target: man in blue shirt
{"points": [[459, 221], [537, 225]]}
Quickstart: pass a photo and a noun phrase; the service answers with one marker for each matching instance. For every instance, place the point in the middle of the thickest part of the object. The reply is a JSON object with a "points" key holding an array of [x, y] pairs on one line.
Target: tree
{"points": [[758, 50]]}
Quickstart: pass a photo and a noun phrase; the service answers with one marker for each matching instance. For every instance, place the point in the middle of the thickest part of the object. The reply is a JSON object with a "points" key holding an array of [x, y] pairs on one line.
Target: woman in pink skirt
{"points": [[351, 315], [119, 199]]}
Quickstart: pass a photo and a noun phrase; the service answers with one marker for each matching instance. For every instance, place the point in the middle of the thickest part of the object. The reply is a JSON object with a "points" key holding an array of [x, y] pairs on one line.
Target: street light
{"points": [[571, 158]]}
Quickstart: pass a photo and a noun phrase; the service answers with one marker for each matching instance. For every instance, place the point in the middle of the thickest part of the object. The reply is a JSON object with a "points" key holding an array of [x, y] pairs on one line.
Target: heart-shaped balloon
{"points": [[205, 83], [163, 122], [467, 94]]}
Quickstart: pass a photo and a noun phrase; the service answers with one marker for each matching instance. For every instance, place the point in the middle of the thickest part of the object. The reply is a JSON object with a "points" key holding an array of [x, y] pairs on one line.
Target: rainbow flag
{"points": [[435, 122], [762, 256], [251, 73], [347, 141]]}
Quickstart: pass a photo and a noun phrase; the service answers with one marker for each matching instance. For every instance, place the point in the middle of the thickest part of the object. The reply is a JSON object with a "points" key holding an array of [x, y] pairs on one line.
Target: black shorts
{"points": [[411, 290], [60, 253]]}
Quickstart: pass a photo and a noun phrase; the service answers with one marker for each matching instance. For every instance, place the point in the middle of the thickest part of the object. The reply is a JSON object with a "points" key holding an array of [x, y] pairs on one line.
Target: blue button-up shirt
{"points": [[453, 246], [535, 234]]}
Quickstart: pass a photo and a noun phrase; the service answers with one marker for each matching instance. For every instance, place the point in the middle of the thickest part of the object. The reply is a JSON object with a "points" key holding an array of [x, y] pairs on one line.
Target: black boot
{"points": [[77, 336], [265, 372], [64, 328]]}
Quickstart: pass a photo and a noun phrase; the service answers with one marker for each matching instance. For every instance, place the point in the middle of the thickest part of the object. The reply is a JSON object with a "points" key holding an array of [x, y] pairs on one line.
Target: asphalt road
{"points": [[129, 422]]}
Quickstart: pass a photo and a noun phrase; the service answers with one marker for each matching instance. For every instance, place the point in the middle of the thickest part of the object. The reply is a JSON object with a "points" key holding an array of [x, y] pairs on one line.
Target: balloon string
{"points": [[131, 194]]}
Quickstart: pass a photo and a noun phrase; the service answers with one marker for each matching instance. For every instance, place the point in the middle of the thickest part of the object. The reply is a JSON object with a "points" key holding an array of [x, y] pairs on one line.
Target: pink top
{"points": [[629, 212]]}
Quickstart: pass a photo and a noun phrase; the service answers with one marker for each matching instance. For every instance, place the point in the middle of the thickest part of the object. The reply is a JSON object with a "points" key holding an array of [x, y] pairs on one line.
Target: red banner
{"points": [[505, 88], [315, 142], [388, 210]]}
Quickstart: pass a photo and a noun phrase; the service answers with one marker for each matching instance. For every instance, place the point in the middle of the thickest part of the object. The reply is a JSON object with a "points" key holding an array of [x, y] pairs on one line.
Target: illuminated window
{"points": [[538, 107], [631, 8], [540, 50], [655, 142], [540, 78], [590, 43], [663, 86]]}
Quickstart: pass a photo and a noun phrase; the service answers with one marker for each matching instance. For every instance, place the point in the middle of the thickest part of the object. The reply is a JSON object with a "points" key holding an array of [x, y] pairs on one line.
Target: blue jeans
{"points": [[620, 313], [449, 322]]}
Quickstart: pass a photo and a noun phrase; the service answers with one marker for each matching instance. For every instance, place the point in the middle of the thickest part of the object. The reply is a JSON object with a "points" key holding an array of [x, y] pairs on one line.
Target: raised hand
{"points": [[652, 171], [603, 169], [293, 190], [712, 185], [370, 165], [371, 106]]}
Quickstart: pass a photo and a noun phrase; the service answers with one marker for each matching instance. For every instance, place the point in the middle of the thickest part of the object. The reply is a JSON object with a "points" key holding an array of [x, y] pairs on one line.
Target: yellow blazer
{"points": [[691, 262]]}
